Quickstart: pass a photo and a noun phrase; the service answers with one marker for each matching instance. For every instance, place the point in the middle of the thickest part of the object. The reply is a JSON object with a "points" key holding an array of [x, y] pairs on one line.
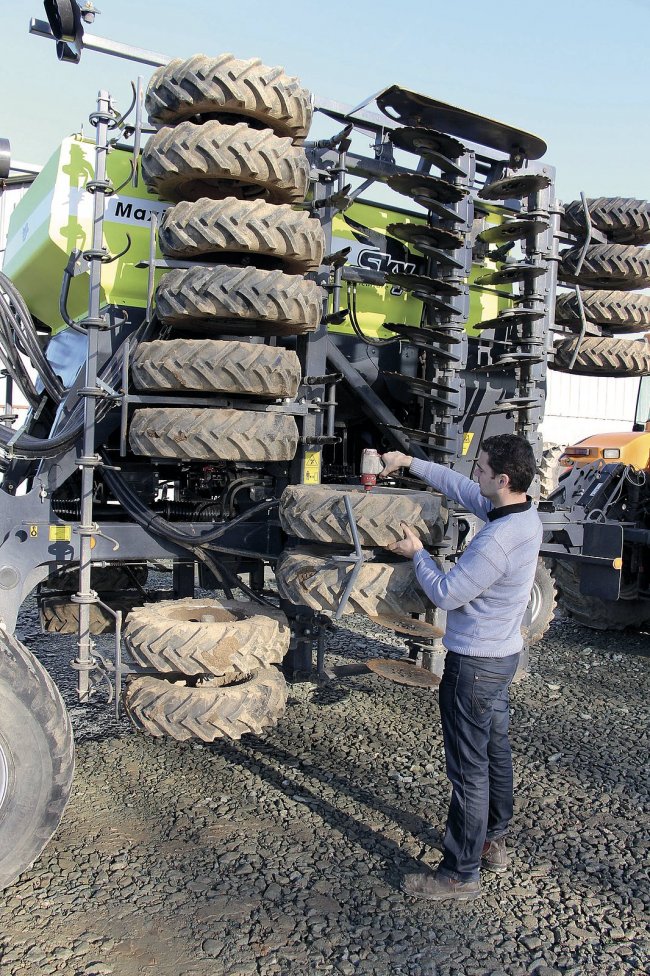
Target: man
{"points": [[485, 595]]}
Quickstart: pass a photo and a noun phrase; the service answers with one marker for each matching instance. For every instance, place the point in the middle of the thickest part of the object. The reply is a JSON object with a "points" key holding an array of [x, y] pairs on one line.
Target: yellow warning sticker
{"points": [[60, 533], [311, 468], [467, 440], [33, 532]]}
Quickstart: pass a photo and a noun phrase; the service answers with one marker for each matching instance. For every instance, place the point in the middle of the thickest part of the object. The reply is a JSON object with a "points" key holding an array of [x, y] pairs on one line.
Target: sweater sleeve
{"points": [[476, 570], [453, 485]]}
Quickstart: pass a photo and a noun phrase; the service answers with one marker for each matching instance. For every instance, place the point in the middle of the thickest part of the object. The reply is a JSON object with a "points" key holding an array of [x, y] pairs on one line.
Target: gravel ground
{"points": [[283, 854]]}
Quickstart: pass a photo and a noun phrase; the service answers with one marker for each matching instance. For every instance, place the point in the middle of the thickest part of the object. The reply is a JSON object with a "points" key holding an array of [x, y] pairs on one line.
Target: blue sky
{"points": [[573, 72]]}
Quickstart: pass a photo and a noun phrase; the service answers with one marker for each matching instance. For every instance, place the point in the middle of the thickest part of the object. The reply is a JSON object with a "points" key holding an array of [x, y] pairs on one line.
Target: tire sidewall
{"points": [[29, 786]]}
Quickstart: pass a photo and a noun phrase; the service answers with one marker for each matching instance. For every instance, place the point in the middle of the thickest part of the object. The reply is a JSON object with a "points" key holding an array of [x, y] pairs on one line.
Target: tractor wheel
{"points": [[60, 616], [110, 579], [318, 512], [291, 237], [607, 266], [595, 613], [603, 357], [36, 758], [224, 85], [214, 366], [549, 469], [544, 601], [621, 220], [205, 434], [191, 161], [191, 294], [620, 311], [207, 636], [380, 588], [208, 711]]}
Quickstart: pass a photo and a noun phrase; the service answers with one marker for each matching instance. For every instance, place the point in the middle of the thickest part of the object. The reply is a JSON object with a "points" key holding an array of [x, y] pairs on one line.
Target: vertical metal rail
{"points": [[99, 186]]}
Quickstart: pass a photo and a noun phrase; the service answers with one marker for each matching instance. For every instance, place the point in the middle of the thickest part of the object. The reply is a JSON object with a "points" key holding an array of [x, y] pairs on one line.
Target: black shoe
{"points": [[494, 856], [440, 887]]}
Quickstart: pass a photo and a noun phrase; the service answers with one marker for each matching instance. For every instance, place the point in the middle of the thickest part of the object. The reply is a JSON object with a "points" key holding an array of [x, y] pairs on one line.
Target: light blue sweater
{"points": [[487, 591]]}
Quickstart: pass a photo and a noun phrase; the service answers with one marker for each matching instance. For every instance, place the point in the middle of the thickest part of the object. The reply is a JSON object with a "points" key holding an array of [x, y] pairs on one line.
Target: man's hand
{"points": [[393, 460], [407, 546]]}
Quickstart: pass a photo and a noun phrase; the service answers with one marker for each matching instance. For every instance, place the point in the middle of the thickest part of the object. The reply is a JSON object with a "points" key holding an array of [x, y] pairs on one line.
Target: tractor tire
{"points": [[619, 311], [291, 237], [192, 294], [208, 711], [603, 357], [549, 469], [313, 581], [213, 160], [61, 616], [224, 85], [607, 266], [621, 220], [102, 578], [36, 758], [205, 434], [207, 636], [595, 613], [318, 513], [214, 366], [544, 601]]}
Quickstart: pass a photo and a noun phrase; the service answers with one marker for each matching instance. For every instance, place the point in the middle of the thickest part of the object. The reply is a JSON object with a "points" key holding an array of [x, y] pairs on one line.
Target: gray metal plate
{"points": [[403, 672], [411, 108]]}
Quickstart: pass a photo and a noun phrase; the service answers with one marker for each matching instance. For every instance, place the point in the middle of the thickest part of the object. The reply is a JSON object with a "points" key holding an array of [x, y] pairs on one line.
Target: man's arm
{"points": [[475, 571], [452, 484]]}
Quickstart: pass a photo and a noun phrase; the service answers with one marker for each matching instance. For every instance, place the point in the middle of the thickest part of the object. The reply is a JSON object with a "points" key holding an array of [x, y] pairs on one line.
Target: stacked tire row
{"points": [[227, 152], [609, 275], [311, 576]]}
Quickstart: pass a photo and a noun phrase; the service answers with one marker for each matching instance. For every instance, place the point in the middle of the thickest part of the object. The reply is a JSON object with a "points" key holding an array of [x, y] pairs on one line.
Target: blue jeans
{"points": [[474, 711]]}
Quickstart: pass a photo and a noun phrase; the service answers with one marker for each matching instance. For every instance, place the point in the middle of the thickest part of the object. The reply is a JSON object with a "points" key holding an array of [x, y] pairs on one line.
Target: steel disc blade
{"points": [[514, 186], [517, 272], [403, 672], [512, 230], [428, 190], [437, 147], [425, 237], [422, 284]]}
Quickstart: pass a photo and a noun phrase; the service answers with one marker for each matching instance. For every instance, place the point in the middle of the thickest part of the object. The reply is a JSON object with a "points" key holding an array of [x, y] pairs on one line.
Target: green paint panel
{"points": [[55, 216]]}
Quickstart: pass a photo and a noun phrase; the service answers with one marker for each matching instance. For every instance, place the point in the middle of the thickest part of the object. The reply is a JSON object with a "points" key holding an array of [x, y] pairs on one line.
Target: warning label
{"points": [[467, 440], [311, 468], [60, 533]]}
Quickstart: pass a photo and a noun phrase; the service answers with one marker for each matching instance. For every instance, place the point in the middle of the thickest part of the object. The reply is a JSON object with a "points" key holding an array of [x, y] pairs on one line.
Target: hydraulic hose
{"points": [[19, 323], [36, 448], [152, 522]]}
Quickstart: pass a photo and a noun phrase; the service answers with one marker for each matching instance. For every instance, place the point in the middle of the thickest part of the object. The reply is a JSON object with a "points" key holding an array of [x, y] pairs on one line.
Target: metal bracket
{"points": [[357, 559]]}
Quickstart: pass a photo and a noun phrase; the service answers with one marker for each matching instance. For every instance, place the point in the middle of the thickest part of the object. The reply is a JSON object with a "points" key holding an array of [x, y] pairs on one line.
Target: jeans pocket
{"points": [[485, 689]]}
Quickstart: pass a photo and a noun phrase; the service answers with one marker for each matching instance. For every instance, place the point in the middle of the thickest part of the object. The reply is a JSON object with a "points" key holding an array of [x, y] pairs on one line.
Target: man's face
{"points": [[488, 481]]}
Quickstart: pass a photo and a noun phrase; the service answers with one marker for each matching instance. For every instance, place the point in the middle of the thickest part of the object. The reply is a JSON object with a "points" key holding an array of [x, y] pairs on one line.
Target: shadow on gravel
{"points": [[372, 840]]}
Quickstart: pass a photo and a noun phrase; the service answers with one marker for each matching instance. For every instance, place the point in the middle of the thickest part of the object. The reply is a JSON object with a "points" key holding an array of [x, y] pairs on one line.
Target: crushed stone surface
{"points": [[282, 855]]}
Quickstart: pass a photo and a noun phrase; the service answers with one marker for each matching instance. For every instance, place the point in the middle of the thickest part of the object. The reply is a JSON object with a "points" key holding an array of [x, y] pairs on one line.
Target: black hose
{"points": [[150, 521], [36, 448], [22, 325]]}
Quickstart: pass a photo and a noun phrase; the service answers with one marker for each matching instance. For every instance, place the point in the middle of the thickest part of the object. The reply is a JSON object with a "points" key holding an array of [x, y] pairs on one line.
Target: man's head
{"points": [[506, 464]]}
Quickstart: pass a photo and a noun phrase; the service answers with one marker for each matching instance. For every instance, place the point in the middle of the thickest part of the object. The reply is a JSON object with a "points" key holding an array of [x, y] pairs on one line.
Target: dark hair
{"points": [[511, 454]]}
